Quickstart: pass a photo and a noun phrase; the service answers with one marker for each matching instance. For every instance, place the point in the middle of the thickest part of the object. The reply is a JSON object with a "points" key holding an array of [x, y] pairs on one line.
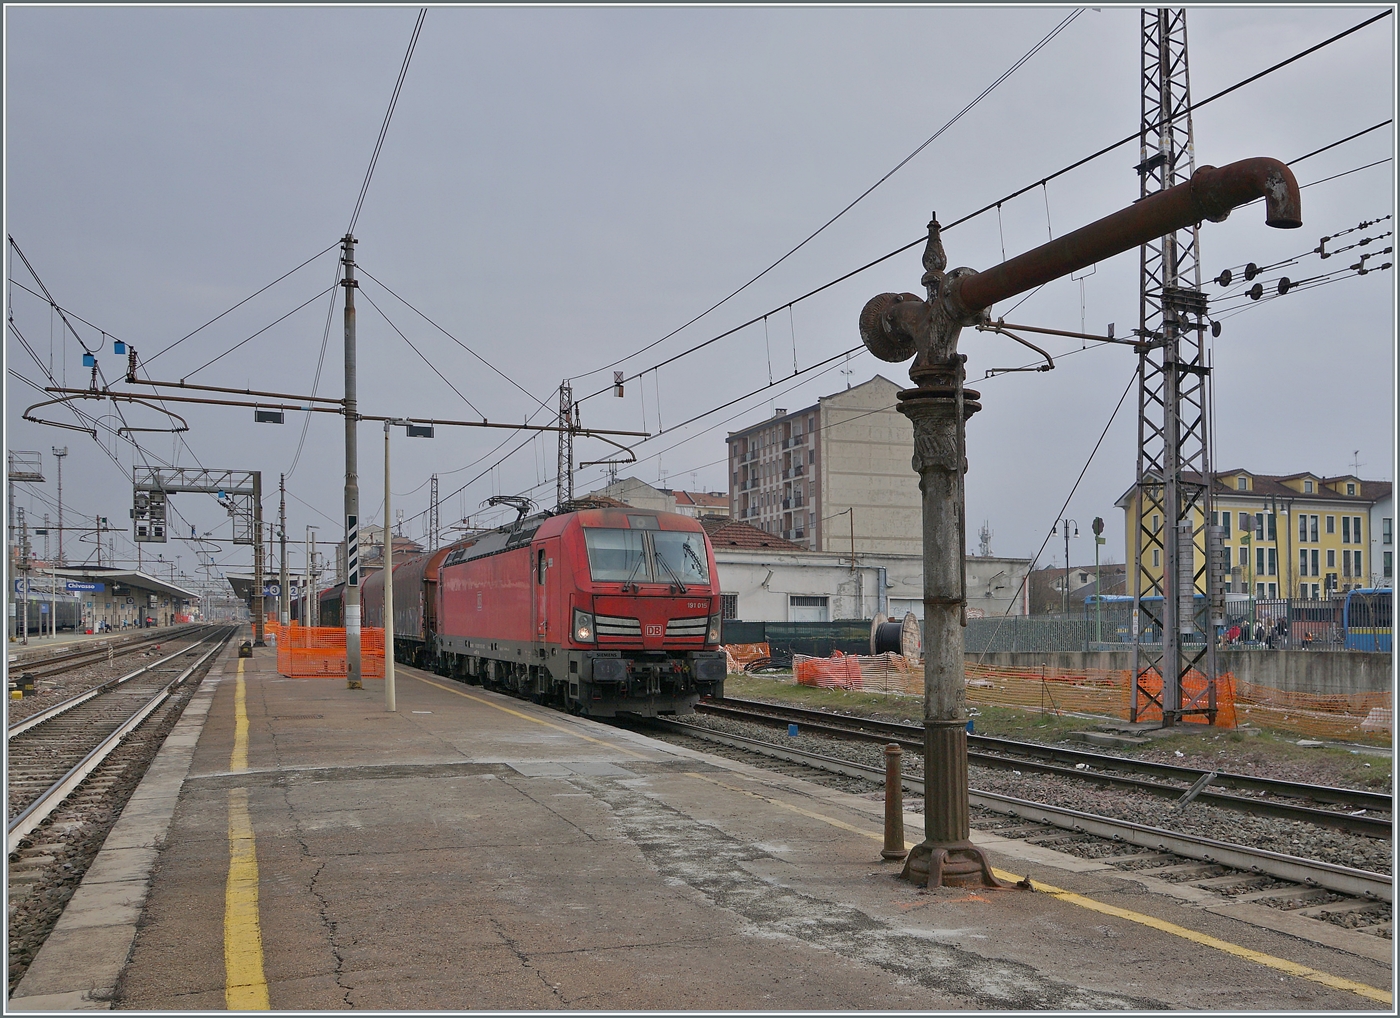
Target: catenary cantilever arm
{"points": [[1211, 193]]}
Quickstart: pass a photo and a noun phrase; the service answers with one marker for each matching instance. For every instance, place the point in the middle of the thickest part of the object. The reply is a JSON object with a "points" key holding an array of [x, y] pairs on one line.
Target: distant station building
{"points": [[640, 495], [115, 598]]}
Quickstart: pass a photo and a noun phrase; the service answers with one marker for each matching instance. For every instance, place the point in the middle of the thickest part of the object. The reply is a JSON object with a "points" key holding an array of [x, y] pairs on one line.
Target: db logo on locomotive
{"points": [[655, 631]]}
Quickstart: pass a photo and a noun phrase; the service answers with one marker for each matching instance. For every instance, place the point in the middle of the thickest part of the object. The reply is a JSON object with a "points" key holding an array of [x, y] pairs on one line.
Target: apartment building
{"points": [[1294, 535], [832, 477]]}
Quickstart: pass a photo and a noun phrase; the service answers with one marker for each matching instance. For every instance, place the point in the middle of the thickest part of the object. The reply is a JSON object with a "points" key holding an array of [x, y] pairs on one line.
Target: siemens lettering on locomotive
{"points": [[599, 611]]}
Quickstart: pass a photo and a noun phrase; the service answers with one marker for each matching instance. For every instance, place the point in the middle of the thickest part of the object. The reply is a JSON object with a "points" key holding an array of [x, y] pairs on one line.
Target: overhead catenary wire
{"points": [[431, 366], [388, 116], [859, 198], [992, 206]]}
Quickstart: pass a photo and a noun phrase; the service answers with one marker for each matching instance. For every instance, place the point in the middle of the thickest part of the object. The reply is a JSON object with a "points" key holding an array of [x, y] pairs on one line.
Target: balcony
{"points": [[787, 503]]}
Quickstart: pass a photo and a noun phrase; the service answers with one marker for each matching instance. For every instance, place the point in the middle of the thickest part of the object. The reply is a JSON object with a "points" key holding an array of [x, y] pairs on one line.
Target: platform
{"points": [[297, 847]]}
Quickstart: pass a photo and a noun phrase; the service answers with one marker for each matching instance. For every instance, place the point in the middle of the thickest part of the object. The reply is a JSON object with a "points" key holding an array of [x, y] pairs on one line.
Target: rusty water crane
{"points": [[896, 326]]}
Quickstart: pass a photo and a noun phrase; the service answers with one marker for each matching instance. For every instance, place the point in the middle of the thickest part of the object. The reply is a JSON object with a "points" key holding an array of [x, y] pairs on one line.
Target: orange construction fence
{"points": [[310, 652], [1362, 717], [739, 656]]}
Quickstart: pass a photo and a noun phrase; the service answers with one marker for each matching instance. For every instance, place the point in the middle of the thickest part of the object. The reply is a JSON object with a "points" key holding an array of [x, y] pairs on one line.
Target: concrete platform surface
{"points": [[473, 851]]}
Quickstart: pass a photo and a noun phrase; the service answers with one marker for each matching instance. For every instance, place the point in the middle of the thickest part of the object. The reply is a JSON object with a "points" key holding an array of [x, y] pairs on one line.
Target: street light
{"points": [[414, 431], [1064, 591]]}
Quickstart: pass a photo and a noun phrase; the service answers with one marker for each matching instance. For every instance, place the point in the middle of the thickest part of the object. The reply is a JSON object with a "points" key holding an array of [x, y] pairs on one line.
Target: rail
{"points": [[39, 665], [38, 810], [1009, 754], [1313, 872]]}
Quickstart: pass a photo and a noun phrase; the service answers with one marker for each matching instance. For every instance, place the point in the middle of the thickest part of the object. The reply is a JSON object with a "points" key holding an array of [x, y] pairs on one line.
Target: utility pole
{"points": [[568, 421], [1064, 587], [433, 521], [284, 594], [352, 478], [24, 568], [307, 584], [58, 457], [259, 605], [1174, 467]]}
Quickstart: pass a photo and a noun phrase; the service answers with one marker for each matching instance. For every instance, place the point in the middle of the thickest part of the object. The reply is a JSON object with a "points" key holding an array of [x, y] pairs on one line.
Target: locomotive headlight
{"points": [[583, 627], [713, 635]]}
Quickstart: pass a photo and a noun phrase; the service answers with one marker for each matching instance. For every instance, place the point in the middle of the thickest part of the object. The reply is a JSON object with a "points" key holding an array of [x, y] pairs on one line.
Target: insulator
{"points": [[1284, 285], [1224, 278], [1251, 270], [1215, 328], [1256, 291]]}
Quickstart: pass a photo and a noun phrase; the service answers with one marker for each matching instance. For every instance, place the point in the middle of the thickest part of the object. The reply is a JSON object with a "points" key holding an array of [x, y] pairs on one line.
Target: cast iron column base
{"points": [[956, 864]]}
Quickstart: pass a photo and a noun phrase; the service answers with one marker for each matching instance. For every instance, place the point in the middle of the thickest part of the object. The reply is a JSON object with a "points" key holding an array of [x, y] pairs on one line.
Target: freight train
{"points": [[599, 611]]}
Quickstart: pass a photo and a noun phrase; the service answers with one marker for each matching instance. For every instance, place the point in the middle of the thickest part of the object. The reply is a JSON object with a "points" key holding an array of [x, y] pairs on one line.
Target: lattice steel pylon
{"points": [[1176, 549], [568, 419], [434, 523]]}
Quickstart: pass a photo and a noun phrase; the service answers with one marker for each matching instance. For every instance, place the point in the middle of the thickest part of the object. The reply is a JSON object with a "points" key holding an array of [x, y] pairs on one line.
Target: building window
{"points": [[1315, 571], [1225, 519], [1157, 557], [1273, 561], [807, 608], [1156, 523], [1385, 530], [1273, 527], [1346, 529], [1241, 483], [1356, 564], [1356, 528], [1259, 591], [1313, 528], [1226, 561], [729, 606], [1331, 524], [1317, 594], [1302, 528], [1386, 563], [1258, 562], [1351, 489], [1303, 565], [1307, 487], [811, 455], [1331, 558], [1346, 563], [1273, 590]]}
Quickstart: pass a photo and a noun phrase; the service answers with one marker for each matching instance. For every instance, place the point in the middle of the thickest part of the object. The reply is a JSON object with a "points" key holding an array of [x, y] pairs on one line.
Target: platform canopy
{"points": [[127, 577]]}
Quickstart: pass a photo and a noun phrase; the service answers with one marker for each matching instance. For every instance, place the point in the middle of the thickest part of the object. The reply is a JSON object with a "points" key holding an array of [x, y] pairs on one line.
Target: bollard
{"points": [[894, 805]]}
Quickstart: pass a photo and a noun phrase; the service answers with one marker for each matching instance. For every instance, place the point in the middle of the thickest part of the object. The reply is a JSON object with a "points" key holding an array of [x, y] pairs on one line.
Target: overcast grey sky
{"points": [[561, 187]]}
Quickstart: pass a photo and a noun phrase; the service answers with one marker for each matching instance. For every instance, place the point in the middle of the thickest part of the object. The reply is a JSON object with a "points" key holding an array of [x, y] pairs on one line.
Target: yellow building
{"points": [[1298, 535]]}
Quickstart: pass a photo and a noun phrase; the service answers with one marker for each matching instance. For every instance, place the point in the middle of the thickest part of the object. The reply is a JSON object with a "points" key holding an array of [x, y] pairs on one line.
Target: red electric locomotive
{"points": [[598, 611]]}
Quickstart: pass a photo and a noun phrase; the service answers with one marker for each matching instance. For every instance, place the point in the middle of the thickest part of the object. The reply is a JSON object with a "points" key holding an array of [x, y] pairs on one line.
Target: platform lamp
{"points": [[414, 431], [1099, 540]]}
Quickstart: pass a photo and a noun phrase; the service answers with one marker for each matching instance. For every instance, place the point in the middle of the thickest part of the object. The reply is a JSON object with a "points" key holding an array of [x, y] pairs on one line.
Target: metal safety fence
{"points": [[318, 652]]}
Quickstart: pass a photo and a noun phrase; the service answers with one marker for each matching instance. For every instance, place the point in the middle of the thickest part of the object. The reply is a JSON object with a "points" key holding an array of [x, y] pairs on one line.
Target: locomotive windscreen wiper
{"points": [[635, 566], [661, 560]]}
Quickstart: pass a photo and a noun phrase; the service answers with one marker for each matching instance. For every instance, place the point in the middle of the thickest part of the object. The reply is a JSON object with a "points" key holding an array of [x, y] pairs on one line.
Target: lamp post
{"points": [[1064, 589], [1099, 539], [414, 431]]}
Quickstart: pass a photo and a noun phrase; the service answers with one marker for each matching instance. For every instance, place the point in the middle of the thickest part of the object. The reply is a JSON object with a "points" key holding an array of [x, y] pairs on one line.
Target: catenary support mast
{"points": [[1173, 555], [352, 477]]}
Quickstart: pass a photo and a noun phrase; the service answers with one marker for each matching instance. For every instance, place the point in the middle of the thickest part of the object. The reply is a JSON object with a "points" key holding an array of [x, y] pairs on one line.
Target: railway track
{"points": [[52, 752], [41, 666], [1299, 890], [1360, 812]]}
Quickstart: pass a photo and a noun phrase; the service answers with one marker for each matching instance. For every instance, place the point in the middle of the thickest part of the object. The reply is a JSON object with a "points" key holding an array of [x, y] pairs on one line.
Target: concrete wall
{"points": [[865, 451], [1296, 671]]}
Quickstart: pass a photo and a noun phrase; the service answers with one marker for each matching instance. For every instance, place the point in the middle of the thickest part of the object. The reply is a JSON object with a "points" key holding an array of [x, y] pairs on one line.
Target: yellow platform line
{"points": [[245, 985], [526, 717], [1194, 936]]}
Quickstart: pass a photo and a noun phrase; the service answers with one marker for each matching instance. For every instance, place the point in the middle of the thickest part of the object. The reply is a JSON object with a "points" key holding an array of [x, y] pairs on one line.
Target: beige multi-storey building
{"points": [[833, 477], [1295, 535]]}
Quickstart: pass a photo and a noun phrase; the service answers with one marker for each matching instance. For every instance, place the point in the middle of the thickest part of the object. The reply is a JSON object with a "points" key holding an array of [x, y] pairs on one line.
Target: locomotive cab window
{"points": [[616, 555], [681, 554]]}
